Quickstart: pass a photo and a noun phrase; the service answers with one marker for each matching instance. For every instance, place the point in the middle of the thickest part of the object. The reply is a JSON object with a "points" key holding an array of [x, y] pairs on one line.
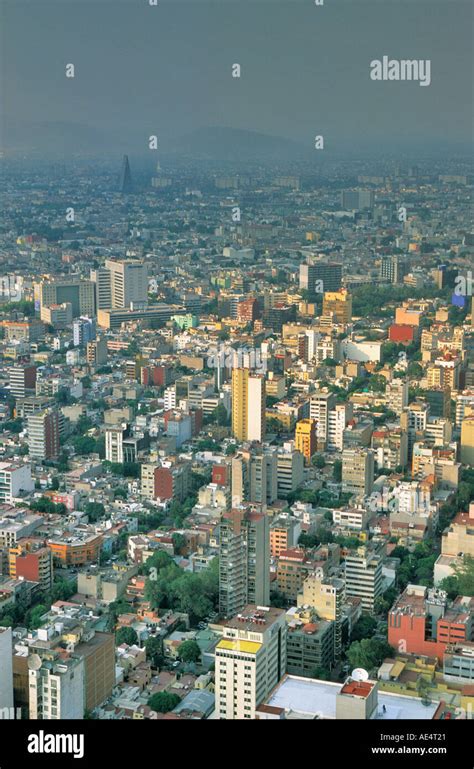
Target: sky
{"points": [[142, 70]]}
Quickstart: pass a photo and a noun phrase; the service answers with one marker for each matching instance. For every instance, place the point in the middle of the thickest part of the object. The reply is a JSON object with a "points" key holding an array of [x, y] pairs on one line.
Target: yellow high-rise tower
{"points": [[248, 405]]}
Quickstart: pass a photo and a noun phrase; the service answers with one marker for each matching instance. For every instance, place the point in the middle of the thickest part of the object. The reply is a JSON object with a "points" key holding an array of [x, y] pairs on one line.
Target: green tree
{"points": [[154, 651], [364, 628], [126, 635], [189, 651], [462, 581], [318, 461], [369, 653], [163, 702], [94, 510]]}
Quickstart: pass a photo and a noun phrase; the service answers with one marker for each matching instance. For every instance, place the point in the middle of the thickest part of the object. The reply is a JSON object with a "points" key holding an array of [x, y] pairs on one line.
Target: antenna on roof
{"points": [[359, 674]]}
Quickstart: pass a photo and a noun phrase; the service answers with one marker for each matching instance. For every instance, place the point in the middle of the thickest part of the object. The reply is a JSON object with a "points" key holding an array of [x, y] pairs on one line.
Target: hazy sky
{"points": [[166, 70]]}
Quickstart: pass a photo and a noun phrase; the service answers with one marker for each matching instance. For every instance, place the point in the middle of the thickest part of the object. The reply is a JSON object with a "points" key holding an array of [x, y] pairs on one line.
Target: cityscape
{"points": [[237, 427]]}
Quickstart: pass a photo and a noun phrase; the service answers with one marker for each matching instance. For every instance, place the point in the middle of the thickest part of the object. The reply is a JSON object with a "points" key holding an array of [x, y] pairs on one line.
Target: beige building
{"points": [[250, 661], [467, 440]]}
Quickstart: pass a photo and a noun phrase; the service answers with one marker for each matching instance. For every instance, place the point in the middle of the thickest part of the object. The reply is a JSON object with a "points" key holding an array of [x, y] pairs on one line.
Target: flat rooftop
{"points": [[257, 618], [317, 699]]}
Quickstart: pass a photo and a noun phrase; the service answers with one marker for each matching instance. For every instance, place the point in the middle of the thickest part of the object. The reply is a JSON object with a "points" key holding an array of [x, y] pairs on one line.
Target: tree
{"points": [[163, 702], [94, 510], [337, 471], [189, 651], [126, 635], [368, 653], [321, 673], [318, 461], [179, 543], [308, 540], [462, 580], [154, 651], [364, 628]]}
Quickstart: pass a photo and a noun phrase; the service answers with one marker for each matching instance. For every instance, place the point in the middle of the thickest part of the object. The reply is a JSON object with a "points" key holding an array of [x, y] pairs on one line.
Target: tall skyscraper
{"points": [[248, 405], [125, 176], [244, 560], [43, 435]]}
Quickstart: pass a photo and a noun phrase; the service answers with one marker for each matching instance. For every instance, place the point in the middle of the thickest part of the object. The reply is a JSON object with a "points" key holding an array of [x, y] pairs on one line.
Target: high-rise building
{"points": [[290, 469], [6, 670], [114, 444], [56, 687], [244, 560], [32, 562], [83, 331], [96, 352], [393, 268], [102, 288], [396, 395], [15, 477], [128, 283], [363, 576], [250, 660], [467, 440], [339, 303], [248, 405], [43, 434], [357, 200], [358, 471], [306, 438], [254, 477], [327, 596], [22, 379], [74, 290], [321, 404], [125, 176], [318, 277]]}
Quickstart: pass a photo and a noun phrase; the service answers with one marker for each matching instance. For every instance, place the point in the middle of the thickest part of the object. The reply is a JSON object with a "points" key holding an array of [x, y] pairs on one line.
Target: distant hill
{"points": [[217, 143]]}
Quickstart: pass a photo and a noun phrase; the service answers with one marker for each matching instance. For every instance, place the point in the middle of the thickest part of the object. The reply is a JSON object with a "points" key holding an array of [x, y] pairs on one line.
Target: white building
{"points": [[56, 688], [250, 661], [14, 478], [114, 444]]}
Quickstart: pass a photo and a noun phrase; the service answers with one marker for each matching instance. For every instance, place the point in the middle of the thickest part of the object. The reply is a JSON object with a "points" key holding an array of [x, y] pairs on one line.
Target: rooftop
{"points": [[317, 699]]}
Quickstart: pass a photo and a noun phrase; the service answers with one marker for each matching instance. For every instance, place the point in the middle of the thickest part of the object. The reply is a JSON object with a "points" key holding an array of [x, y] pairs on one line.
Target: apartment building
{"points": [[244, 560], [363, 577], [250, 661]]}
